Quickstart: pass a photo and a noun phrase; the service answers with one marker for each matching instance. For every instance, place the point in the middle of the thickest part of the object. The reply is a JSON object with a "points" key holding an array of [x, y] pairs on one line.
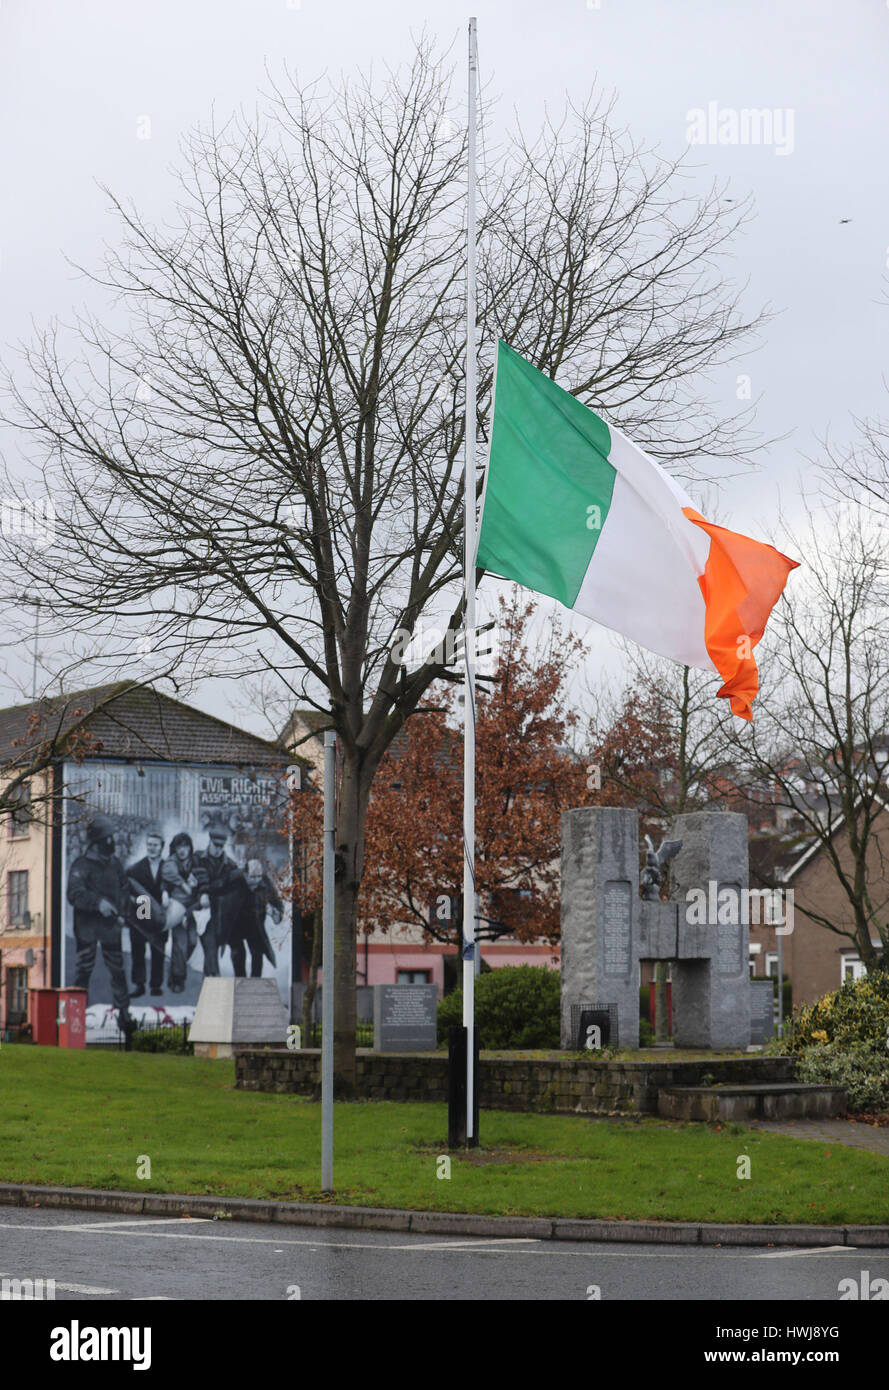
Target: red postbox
{"points": [[44, 1008], [72, 1017]]}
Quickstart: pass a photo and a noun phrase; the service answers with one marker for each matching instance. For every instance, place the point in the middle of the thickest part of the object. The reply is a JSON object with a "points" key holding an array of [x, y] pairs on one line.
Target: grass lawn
{"points": [[82, 1119]]}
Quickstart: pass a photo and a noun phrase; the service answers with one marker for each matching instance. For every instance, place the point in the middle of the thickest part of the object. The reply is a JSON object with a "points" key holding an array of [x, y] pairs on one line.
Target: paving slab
{"points": [[873, 1138]]}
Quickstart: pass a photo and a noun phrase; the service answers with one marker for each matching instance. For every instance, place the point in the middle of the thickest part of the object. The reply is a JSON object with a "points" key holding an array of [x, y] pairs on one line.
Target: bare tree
{"points": [[860, 472], [821, 733], [263, 468]]}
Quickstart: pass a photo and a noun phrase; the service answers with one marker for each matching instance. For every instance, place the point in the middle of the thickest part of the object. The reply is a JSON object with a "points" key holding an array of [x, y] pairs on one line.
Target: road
{"points": [[106, 1258]]}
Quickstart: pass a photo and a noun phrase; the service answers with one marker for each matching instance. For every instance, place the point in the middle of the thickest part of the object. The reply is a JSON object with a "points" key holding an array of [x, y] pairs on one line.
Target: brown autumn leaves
{"points": [[530, 768]]}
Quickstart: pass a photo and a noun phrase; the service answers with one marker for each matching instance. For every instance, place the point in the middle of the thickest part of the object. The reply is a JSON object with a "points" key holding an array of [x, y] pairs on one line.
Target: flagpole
{"points": [[469, 639]]}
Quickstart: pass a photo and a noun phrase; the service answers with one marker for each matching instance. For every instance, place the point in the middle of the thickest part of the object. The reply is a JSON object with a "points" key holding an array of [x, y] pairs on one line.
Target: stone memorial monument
{"points": [[405, 1018], [608, 928], [232, 1011]]}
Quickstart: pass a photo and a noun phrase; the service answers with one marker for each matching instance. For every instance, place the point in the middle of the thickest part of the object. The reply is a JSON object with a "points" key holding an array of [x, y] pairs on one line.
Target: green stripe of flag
{"points": [[548, 472]]}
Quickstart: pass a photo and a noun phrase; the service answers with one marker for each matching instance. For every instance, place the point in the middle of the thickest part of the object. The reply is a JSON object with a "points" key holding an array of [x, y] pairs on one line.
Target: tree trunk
{"points": [[312, 986], [871, 958]]}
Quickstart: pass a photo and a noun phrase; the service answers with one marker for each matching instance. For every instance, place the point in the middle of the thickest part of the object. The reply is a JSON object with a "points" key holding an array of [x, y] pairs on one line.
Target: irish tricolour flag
{"points": [[574, 509]]}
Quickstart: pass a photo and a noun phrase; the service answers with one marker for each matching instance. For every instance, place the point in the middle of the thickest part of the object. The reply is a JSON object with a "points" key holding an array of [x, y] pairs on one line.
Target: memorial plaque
{"points": [[729, 933], [762, 1010], [405, 1018], [617, 929]]}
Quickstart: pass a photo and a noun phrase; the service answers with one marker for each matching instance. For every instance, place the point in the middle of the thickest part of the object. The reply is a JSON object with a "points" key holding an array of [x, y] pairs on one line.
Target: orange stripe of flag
{"points": [[742, 581]]}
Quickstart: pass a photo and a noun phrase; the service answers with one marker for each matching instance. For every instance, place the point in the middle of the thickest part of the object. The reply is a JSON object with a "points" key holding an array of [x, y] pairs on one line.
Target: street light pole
{"points": [[327, 962]]}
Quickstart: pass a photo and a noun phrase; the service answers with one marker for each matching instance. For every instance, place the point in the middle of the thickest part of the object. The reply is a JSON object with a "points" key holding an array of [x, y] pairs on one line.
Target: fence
{"points": [[151, 1035], [364, 1007], [364, 1003], [364, 1035], [16, 1033]]}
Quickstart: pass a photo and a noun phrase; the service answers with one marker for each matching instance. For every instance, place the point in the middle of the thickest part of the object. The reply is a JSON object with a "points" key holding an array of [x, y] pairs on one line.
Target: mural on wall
{"points": [[171, 873]]}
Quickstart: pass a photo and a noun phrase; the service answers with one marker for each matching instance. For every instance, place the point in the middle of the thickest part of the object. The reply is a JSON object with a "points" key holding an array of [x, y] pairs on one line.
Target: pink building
{"points": [[394, 960]]}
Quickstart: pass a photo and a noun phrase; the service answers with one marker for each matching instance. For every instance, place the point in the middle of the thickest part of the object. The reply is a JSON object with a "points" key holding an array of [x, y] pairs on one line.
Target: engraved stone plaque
{"points": [[762, 1010], [617, 927], [405, 1018], [729, 929]]}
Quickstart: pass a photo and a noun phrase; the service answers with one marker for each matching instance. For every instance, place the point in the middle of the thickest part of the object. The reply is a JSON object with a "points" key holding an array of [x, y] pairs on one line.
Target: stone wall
{"points": [[559, 1085]]}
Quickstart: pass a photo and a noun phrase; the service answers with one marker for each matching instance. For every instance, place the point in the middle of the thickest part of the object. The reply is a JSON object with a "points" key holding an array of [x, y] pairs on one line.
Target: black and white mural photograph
{"points": [[171, 875]]}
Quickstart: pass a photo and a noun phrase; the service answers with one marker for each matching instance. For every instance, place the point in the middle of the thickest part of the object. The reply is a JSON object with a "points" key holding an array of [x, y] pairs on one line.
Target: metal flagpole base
{"points": [[457, 1090]]}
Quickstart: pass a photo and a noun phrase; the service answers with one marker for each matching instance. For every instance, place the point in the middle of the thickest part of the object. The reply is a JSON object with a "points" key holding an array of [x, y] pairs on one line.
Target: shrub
{"points": [[646, 1033], [160, 1040], [863, 1068], [516, 1006], [364, 1035], [856, 1014]]}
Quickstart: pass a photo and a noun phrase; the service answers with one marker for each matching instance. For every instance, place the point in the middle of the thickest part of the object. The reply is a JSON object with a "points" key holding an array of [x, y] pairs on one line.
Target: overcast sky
{"points": [[79, 77]]}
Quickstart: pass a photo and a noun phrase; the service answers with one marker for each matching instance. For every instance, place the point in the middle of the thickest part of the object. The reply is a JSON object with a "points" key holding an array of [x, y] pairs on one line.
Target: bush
{"points": [[161, 1040], [364, 1035], [646, 1033], [516, 1006], [856, 1014], [863, 1068]]}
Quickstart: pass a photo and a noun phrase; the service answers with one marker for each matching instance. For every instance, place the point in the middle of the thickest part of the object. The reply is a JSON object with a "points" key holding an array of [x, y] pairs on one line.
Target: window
{"points": [[17, 994], [772, 963], [412, 977], [17, 894], [851, 969], [21, 815]]}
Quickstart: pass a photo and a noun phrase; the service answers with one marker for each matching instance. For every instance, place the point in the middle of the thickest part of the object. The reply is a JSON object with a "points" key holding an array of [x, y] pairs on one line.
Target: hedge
{"points": [[516, 1006]]}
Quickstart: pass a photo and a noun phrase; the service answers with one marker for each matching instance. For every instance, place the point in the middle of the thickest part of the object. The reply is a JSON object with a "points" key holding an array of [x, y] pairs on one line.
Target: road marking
{"points": [[57, 1283], [478, 1243], [113, 1228], [472, 1241], [138, 1221], [494, 1246], [807, 1250], [83, 1288]]}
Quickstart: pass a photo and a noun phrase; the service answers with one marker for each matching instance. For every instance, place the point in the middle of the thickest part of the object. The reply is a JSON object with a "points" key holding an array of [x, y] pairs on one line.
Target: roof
{"points": [[53, 719], [131, 721], [313, 721], [817, 843]]}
